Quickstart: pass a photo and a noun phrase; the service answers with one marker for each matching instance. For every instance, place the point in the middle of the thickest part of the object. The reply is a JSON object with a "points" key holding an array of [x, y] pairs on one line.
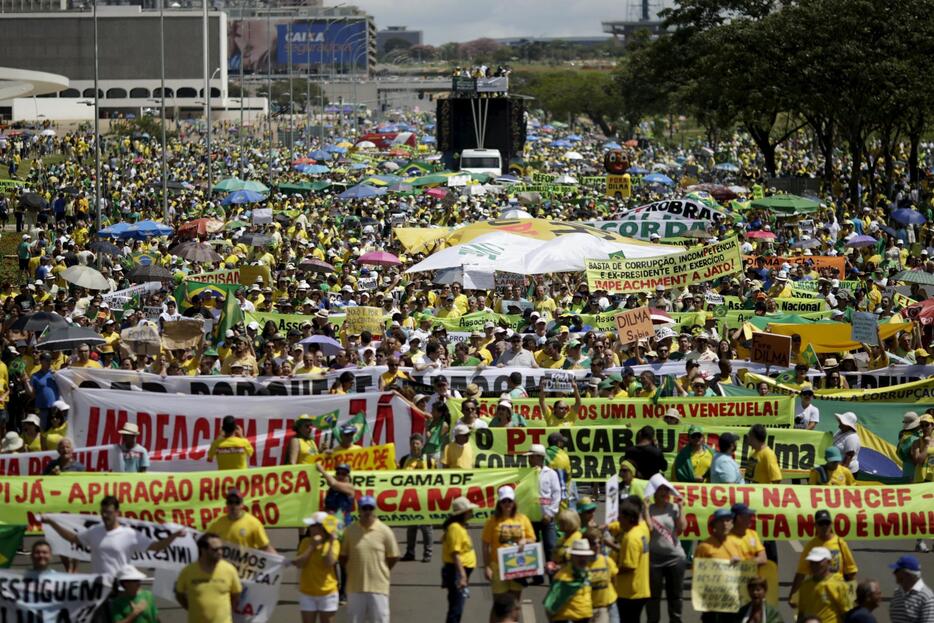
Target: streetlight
{"points": [[308, 106], [165, 169], [356, 105], [207, 104], [327, 29], [97, 128]]}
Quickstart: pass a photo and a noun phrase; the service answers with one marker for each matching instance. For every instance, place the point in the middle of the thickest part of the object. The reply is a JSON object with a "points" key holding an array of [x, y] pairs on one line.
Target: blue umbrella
{"points": [[313, 169], [658, 178], [907, 216], [561, 143], [361, 191], [243, 196], [861, 241], [328, 345], [612, 145], [114, 231], [531, 138], [637, 170], [356, 166], [727, 166], [574, 137], [145, 230], [334, 149], [427, 139], [319, 154]]}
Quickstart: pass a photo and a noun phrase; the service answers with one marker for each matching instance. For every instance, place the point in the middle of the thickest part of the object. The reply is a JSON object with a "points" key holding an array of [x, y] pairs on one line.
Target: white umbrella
{"points": [[565, 179], [514, 213], [85, 277], [474, 190], [365, 145], [47, 132], [573, 155], [389, 165], [470, 277]]}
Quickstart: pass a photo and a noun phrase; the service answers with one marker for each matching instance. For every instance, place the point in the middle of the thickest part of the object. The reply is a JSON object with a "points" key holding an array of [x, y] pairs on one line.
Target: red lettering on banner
{"points": [[250, 433], [790, 498], [272, 442], [771, 497], [691, 528], [441, 500], [514, 439], [384, 418], [179, 447], [202, 430], [418, 420], [781, 529], [409, 501]]}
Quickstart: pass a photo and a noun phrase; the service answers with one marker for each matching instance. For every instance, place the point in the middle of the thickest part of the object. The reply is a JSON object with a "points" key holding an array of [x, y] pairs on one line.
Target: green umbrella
{"points": [[787, 204], [915, 276], [303, 187], [430, 180], [236, 225], [232, 183]]}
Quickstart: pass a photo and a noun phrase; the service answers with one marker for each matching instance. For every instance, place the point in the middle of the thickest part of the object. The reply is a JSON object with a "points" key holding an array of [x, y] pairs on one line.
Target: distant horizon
{"points": [[443, 21]]}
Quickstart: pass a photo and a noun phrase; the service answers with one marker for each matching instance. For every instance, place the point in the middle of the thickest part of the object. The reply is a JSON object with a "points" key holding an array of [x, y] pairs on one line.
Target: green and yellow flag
{"points": [[11, 540]]}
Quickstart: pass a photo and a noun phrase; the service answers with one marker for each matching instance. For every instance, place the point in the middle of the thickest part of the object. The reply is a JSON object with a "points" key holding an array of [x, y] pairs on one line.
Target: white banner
{"points": [[33, 599], [260, 572], [178, 429], [119, 298]]}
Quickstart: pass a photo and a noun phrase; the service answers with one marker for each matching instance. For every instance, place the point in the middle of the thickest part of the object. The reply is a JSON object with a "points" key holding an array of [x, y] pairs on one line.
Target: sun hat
{"points": [[462, 505]]}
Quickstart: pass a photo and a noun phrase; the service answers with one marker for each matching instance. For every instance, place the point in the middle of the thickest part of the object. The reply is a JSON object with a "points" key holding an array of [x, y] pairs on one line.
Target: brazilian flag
{"points": [[11, 540]]}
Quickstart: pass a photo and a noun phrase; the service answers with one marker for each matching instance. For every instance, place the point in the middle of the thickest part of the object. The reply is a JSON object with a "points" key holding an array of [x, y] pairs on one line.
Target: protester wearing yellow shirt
{"points": [[457, 556], [832, 472], [459, 453], [447, 309], [560, 414], [208, 587], [318, 552], [603, 571], [719, 545], [823, 594], [744, 536], [841, 563], [569, 597], [763, 464], [239, 527], [302, 447], [550, 355], [505, 527], [632, 561], [231, 449], [4, 394]]}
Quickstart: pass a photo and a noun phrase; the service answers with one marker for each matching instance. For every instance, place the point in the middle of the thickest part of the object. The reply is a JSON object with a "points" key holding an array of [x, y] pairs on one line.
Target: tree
{"points": [[575, 93]]}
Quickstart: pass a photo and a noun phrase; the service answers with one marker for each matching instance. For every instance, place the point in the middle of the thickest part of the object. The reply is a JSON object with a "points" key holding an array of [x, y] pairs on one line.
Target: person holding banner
{"points": [[832, 472], [667, 559], [302, 447], [719, 545], [417, 460], [209, 588], [693, 461], [458, 557], [559, 414], [505, 527], [318, 552], [922, 450], [239, 527]]}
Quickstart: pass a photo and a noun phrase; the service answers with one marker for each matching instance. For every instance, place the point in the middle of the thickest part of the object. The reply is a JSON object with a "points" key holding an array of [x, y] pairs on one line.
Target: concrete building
{"points": [[395, 36]]}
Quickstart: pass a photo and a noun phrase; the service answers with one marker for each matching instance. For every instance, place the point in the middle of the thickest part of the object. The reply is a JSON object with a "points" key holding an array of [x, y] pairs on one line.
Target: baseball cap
{"points": [[234, 496], [722, 513], [586, 504], [833, 455], [506, 493], [342, 467], [906, 563], [367, 501], [461, 429], [694, 429], [538, 450], [741, 509], [819, 554], [348, 429], [823, 516]]}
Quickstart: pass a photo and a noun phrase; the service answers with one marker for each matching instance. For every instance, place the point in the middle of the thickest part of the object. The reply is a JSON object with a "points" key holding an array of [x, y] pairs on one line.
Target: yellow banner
{"points": [[833, 337], [703, 263], [280, 497], [917, 391], [720, 585], [785, 512], [361, 459], [360, 319]]}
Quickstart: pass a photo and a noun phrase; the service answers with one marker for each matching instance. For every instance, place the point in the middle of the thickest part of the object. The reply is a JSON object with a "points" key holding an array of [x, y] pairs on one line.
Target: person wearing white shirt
{"points": [[847, 439], [808, 416], [112, 544], [549, 496], [442, 393]]}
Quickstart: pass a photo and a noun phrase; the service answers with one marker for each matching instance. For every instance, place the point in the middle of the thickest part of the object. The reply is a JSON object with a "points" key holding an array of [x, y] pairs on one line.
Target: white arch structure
{"points": [[27, 83]]}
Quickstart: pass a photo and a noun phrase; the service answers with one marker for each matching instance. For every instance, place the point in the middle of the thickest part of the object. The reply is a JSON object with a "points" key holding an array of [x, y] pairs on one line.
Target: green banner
{"points": [[285, 322], [637, 412], [280, 497], [476, 320], [595, 451]]}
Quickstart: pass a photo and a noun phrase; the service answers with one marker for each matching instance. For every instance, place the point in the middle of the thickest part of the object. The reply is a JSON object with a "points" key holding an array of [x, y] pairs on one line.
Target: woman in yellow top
{"points": [[58, 426], [458, 557], [505, 528], [302, 446], [32, 440], [317, 558], [560, 414]]}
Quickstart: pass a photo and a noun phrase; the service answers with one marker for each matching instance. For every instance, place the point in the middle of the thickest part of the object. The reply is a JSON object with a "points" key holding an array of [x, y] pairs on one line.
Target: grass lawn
{"points": [[9, 266], [26, 165]]}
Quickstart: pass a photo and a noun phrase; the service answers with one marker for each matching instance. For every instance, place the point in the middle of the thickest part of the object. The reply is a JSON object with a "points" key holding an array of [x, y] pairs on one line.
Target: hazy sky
{"points": [[463, 20]]}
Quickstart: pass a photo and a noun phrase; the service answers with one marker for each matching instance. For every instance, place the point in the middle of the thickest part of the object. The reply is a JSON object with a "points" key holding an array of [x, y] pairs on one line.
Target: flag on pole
{"points": [[11, 540]]}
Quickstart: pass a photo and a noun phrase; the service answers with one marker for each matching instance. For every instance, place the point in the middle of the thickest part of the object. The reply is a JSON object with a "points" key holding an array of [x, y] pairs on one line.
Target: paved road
{"points": [[416, 595]]}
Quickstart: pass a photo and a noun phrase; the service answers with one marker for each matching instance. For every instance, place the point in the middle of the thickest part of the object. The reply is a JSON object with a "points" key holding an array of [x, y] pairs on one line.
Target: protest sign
{"points": [[625, 276], [286, 322], [771, 349], [720, 585], [611, 509], [634, 325], [51, 597], [182, 333], [476, 320], [365, 459], [243, 275], [835, 264], [280, 497], [119, 299], [595, 451], [723, 411], [865, 328], [360, 319], [262, 216], [178, 429], [521, 562], [558, 382], [619, 186]]}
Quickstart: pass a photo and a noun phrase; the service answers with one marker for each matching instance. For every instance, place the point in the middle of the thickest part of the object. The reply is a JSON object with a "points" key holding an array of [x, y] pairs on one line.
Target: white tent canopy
{"points": [[530, 256]]}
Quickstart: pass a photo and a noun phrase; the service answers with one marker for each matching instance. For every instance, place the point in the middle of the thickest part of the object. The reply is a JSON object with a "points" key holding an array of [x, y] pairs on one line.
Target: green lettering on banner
{"points": [[637, 412], [284, 322], [280, 497], [476, 320], [595, 451]]}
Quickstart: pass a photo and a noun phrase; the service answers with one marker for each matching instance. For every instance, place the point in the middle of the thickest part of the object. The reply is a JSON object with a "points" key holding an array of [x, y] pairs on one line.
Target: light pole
{"points": [[308, 106], [165, 168], [269, 89], [324, 36], [356, 104], [97, 128], [207, 136]]}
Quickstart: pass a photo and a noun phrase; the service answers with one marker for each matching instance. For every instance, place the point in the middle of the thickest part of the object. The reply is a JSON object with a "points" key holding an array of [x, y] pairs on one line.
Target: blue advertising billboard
{"points": [[260, 45]]}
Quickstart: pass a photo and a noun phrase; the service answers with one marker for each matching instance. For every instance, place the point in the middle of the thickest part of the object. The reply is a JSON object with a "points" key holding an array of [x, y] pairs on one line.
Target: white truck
{"points": [[482, 161]]}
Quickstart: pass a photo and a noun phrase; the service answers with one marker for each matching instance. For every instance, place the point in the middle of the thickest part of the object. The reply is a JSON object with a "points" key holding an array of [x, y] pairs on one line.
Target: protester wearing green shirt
{"points": [[910, 433], [131, 604]]}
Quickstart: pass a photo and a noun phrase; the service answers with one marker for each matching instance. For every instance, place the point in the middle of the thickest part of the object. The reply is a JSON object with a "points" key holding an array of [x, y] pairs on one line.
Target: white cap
{"points": [[506, 493], [61, 405], [538, 450], [819, 554], [129, 573], [32, 418], [505, 403], [461, 429]]}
